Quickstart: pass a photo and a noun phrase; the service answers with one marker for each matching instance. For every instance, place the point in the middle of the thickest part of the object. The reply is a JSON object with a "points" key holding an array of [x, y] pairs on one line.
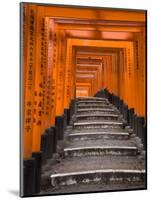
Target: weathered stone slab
{"points": [[101, 150], [100, 176]]}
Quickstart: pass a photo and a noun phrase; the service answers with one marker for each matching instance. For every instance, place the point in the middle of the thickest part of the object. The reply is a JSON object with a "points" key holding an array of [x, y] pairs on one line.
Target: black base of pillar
{"points": [[68, 116], [130, 116], [43, 147], [59, 125], [125, 112], [38, 161], [50, 136], [65, 118], [140, 126], [134, 124], [144, 138], [54, 139], [72, 107], [29, 173], [121, 106]]}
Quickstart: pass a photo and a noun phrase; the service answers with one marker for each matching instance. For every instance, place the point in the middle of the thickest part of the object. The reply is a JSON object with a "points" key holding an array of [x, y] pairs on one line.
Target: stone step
{"points": [[95, 116], [96, 110], [101, 150], [98, 124], [92, 102], [127, 130], [81, 99], [100, 176], [94, 106], [89, 187], [101, 147], [101, 170], [98, 135]]}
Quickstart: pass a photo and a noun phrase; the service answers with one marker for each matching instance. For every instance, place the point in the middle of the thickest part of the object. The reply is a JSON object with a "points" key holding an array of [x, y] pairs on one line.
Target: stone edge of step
{"points": [[100, 171], [100, 147], [115, 175], [98, 133], [98, 122]]}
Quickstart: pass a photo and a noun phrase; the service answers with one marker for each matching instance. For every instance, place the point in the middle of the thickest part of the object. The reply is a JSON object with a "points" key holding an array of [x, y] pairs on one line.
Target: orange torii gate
{"points": [[101, 43]]}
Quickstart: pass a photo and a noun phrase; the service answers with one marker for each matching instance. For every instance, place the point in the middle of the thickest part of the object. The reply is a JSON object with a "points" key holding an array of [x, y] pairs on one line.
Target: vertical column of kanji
{"points": [[44, 64], [110, 71], [48, 70], [54, 38], [60, 77], [140, 42], [38, 93], [110, 74], [135, 69], [113, 74], [125, 75], [107, 72], [67, 75], [138, 71], [135, 65], [128, 73], [142, 72], [111, 77], [29, 73], [102, 72], [129, 76], [116, 75], [72, 74], [73, 68], [64, 50], [144, 45], [121, 72]]}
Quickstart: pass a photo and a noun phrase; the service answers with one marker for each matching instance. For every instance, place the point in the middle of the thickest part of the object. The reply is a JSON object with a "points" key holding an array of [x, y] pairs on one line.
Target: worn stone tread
{"points": [[99, 131], [96, 109], [97, 115], [101, 142], [93, 122], [93, 187], [78, 164]]}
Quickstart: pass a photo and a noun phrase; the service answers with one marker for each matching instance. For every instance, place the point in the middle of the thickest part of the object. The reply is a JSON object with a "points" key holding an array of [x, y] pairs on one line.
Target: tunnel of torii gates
{"points": [[69, 53]]}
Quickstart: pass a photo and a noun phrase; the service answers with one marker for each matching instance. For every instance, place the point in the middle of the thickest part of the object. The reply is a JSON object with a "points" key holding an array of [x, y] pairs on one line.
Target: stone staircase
{"points": [[99, 153]]}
